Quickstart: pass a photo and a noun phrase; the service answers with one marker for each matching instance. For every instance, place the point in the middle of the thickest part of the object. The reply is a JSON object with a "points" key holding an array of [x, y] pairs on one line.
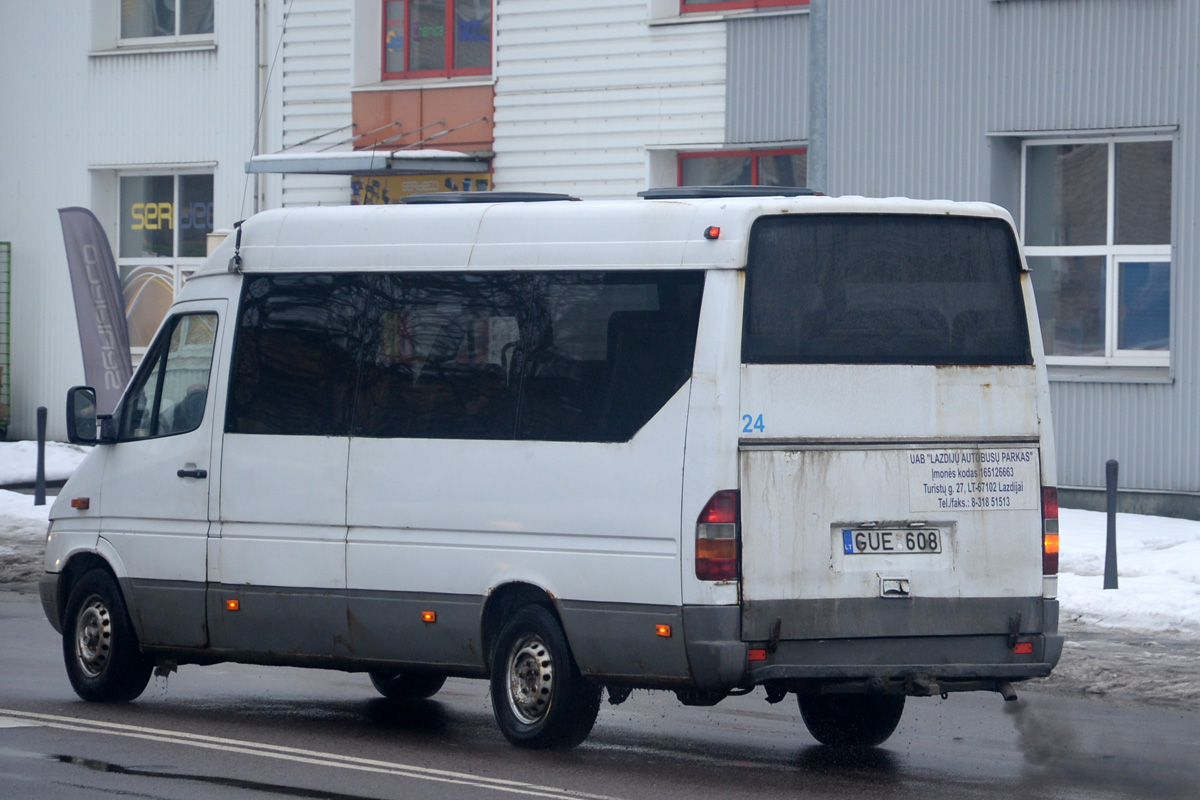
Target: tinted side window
{"points": [[601, 353], [438, 358], [884, 289], [295, 362], [170, 391], [561, 356]]}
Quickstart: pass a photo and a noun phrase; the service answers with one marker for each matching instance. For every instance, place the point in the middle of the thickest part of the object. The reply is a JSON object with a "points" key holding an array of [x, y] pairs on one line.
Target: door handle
{"points": [[192, 473]]}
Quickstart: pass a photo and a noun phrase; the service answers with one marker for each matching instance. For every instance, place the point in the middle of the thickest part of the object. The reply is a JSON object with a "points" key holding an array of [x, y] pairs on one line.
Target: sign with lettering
{"points": [[369, 190], [973, 479]]}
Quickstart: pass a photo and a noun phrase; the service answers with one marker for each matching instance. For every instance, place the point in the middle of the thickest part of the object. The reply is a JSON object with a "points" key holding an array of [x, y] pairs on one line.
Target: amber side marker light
{"points": [[1023, 649], [712, 232], [663, 631], [428, 616], [233, 605], [81, 503]]}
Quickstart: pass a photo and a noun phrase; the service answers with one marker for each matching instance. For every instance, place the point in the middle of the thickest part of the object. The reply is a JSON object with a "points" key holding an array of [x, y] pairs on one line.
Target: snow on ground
{"points": [[1158, 569], [22, 537], [18, 461]]}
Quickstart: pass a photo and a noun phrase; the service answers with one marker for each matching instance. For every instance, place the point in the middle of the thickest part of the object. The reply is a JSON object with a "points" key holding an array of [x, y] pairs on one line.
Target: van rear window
{"points": [[884, 289]]}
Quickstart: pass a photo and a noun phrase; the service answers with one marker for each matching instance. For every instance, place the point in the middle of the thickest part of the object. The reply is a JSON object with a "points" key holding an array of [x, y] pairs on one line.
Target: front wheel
{"points": [[539, 697], [407, 685], [100, 648], [851, 720]]}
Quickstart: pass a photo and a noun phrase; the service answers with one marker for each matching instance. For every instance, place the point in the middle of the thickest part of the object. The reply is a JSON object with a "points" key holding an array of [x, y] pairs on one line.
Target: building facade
{"points": [[1079, 117]]}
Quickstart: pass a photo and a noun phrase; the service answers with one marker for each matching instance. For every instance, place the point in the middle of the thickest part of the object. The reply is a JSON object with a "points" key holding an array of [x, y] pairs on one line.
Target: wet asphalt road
{"points": [[232, 731]]}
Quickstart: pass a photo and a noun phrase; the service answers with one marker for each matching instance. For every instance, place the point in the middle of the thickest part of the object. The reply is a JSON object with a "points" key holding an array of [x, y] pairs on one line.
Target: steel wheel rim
{"points": [[530, 679], [93, 637]]}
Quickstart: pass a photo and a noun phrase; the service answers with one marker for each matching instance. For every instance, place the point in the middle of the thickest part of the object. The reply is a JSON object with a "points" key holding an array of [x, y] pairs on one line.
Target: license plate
{"points": [[874, 541]]}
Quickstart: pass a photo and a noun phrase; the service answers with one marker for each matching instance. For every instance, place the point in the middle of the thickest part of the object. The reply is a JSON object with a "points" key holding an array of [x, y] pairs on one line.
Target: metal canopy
{"points": [[372, 162]]}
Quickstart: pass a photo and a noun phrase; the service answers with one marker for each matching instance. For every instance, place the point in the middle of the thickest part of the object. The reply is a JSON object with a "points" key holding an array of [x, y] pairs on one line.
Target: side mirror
{"points": [[84, 425]]}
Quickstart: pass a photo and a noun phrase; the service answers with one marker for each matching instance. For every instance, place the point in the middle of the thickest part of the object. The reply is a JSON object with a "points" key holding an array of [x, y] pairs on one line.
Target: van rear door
{"points": [[890, 466]]}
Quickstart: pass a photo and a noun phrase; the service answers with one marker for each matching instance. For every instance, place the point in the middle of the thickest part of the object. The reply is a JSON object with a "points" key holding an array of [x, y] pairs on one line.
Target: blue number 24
{"points": [[753, 423]]}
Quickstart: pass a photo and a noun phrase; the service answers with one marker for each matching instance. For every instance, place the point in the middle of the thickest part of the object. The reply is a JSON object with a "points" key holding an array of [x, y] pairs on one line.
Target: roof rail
{"points": [[433, 198], [695, 192]]}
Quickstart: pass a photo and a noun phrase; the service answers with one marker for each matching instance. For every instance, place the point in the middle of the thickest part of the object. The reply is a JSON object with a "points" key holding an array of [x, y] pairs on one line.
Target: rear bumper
{"points": [[718, 656], [941, 658]]}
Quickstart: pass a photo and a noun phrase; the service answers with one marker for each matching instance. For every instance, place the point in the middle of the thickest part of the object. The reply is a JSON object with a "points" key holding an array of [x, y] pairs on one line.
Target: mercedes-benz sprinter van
{"points": [[691, 442]]}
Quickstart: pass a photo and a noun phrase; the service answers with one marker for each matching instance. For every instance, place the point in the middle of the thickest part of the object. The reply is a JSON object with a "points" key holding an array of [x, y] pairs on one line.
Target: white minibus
{"points": [[706, 440]]}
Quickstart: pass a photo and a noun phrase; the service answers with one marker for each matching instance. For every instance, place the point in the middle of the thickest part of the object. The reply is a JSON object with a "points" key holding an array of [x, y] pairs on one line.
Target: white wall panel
{"points": [[71, 117], [583, 89], [309, 45]]}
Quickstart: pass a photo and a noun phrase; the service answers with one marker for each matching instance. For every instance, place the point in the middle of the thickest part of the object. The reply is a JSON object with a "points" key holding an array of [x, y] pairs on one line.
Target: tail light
{"points": [[1049, 530], [717, 538]]}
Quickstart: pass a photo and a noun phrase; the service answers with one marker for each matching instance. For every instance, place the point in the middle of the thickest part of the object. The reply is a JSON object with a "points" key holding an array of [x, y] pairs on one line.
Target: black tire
{"points": [[540, 699], [407, 684], [100, 647], [851, 720]]}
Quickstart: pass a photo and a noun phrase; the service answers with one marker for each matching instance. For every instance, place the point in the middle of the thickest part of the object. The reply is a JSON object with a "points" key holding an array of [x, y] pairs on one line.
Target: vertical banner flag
{"points": [[99, 307]]}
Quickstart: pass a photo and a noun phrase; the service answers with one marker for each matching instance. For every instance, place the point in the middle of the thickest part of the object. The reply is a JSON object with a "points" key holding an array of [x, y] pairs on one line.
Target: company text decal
{"points": [[973, 479]]}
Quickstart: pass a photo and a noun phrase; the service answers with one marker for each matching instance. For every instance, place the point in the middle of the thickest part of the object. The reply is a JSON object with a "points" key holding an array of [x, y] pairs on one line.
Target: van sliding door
{"points": [[280, 546]]}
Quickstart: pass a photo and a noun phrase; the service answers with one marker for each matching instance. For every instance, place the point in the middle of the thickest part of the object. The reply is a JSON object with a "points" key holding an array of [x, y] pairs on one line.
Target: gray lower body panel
{"points": [[619, 641], [614, 643], [48, 590], [167, 612]]}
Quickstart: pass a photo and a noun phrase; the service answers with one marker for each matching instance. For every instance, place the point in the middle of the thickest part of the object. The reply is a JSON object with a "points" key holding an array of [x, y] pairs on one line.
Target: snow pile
{"points": [[18, 461], [22, 537], [1158, 566]]}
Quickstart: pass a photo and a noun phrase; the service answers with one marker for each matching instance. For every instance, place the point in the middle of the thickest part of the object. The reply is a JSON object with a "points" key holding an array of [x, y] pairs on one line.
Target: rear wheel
{"points": [[851, 720], [407, 684], [99, 646], [539, 697]]}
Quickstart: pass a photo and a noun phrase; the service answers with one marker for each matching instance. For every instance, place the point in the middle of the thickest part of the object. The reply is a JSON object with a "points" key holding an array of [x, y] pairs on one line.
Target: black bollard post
{"points": [[39, 481], [1110, 550]]}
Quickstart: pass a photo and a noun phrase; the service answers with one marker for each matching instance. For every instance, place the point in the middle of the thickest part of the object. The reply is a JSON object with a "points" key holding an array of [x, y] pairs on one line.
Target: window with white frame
{"points": [[160, 19], [1096, 220], [164, 225]]}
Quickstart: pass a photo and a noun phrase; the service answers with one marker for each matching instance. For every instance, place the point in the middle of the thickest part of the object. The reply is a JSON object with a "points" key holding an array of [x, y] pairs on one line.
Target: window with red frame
{"points": [[744, 168], [730, 5], [426, 38]]}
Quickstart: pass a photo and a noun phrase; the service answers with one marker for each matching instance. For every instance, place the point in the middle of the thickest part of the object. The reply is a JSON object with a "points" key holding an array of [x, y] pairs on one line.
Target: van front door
{"points": [[155, 495]]}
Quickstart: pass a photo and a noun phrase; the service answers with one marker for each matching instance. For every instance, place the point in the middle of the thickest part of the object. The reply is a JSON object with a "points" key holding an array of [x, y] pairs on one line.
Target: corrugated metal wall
{"points": [[583, 90], [907, 112], [766, 98], [916, 87], [309, 93]]}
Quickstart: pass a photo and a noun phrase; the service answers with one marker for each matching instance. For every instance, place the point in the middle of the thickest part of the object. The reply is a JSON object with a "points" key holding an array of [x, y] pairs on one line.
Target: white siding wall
{"points": [[43, 80], [583, 89], [308, 93], [70, 121]]}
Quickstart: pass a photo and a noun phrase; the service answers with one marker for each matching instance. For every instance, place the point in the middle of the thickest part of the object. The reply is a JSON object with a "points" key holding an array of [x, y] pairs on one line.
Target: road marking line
{"points": [[6, 722], [299, 755]]}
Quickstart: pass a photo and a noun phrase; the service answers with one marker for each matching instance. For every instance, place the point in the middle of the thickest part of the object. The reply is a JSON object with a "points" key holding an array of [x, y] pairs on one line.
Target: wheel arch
{"points": [[76, 567], [503, 601]]}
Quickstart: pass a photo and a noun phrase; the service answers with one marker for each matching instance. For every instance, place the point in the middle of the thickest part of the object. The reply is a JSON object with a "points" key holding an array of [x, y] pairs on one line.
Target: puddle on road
{"points": [[211, 780]]}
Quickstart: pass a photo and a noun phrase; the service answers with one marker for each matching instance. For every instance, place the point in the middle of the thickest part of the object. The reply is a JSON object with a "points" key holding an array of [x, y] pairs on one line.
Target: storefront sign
{"points": [[374, 190]]}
